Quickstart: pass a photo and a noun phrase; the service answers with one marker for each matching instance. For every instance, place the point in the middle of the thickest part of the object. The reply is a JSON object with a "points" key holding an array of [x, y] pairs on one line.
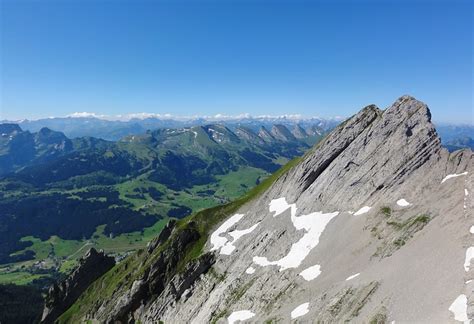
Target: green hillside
{"points": [[136, 265], [117, 196]]}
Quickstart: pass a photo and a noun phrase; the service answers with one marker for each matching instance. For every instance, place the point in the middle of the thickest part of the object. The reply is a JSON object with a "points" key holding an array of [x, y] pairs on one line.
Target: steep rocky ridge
{"points": [[281, 133], [264, 134], [248, 135], [373, 224], [61, 296], [299, 132]]}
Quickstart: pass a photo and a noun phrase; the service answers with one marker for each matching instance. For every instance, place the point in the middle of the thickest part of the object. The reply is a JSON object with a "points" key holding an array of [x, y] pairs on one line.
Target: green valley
{"points": [[117, 196]]}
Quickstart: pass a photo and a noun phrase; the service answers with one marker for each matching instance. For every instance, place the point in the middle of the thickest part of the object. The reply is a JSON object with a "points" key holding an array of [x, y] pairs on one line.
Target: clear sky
{"points": [[322, 58]]}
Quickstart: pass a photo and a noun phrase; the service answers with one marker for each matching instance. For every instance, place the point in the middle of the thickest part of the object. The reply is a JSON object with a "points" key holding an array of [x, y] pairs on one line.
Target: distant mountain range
{"points": [[113, 128], [455, 137], [84, 124], [20, 148]]}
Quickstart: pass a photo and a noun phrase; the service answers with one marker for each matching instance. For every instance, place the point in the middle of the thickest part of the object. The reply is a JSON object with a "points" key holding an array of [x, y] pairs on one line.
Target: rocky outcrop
{"points": [[299, 132], [221, 134], [164, 235], [248, 135], [55, 142], [265, 135], [370, 219], [62, 295], [281, 133]]}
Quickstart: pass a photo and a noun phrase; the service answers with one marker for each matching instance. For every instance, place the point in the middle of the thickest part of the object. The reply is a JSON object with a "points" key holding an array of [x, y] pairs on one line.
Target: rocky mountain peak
{"points": [[409, 106], [281, 133], [247, 134], [52, 141], [299, 132], [370, 153], [264, 134], [220, 133], [8, 128], [45, 131]]}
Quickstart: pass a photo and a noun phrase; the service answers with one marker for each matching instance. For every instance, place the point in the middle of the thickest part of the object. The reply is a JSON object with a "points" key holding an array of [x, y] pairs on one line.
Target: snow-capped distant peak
{"points": [[210, 118], [84, 114]]}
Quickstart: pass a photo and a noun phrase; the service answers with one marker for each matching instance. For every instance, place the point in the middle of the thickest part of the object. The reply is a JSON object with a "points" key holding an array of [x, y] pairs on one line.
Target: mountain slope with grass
{"points": [[86, 192], [358, 230]]}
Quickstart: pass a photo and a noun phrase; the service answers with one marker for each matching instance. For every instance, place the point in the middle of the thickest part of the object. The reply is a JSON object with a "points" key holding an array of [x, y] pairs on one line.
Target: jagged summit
{"points": [[369, 154], [8, 128], [299, 132], [358, 230], [281, 133], [264, 134], [248, 135]]}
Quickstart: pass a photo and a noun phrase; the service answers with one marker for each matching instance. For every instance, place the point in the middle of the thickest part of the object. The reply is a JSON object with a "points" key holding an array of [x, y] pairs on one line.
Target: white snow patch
{"points": [[454, 175], [350, 212], [185, 293], [311, 273], [239, 233], [466, 193], [279, 205], [459, 309], [195, 134], [314, 225], [219, 241], [469, 281], [299, 311], [471, 230], [353, 276], [363, 210], [250, 270], [469, 257], [240, 316], [229, 247], [403, 203]]}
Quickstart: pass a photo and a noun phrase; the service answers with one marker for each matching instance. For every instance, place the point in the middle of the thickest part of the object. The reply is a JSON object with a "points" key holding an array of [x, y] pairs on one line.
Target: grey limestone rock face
{"points": [[62, 295]]}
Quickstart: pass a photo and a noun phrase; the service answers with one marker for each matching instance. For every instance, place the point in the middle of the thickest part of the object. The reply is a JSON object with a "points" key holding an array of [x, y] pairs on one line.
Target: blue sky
{"points": [[322, 58]]}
